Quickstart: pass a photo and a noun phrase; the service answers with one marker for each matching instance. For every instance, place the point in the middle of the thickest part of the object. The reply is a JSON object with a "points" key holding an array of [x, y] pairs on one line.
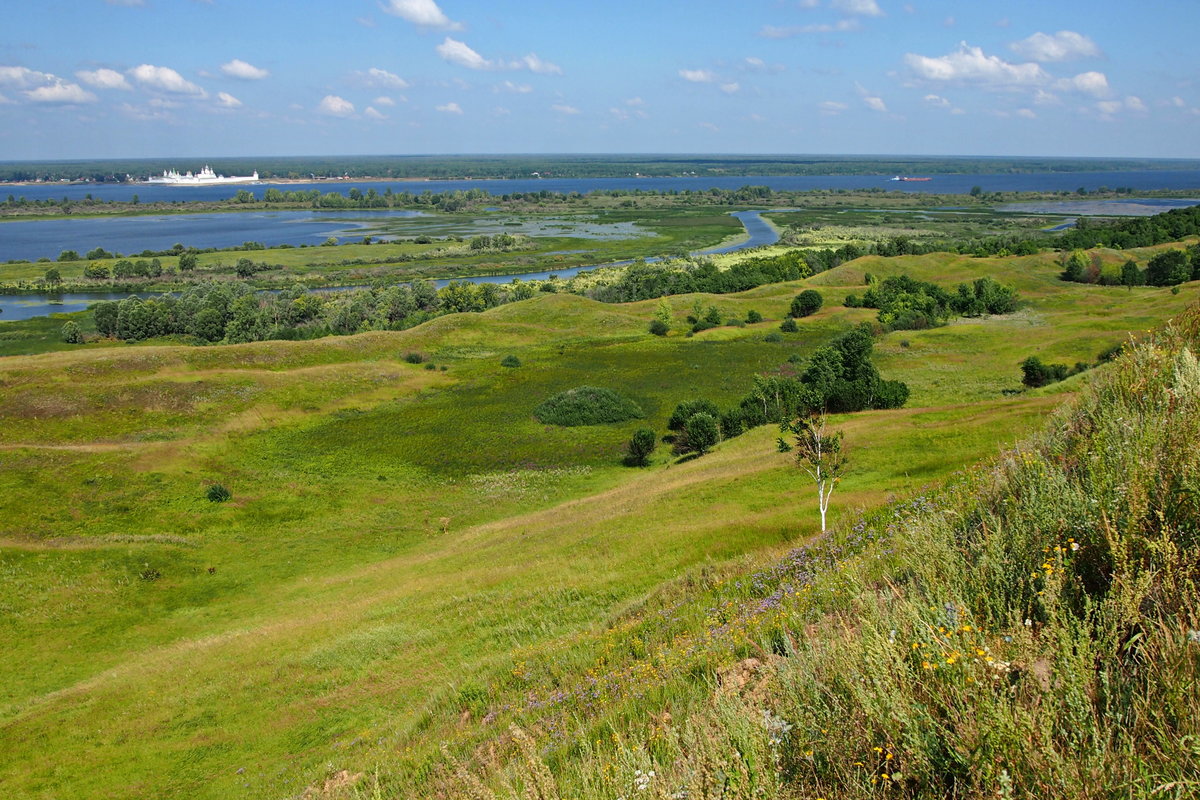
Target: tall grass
{"points": [[1031, 631]]}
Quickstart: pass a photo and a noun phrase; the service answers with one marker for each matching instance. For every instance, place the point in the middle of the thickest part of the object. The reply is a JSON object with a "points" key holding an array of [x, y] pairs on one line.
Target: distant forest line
{"points": [[565, 166]]}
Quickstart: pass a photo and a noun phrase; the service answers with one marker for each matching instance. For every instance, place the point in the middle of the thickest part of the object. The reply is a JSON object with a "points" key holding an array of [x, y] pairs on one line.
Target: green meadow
{"points": [[409, 561]]}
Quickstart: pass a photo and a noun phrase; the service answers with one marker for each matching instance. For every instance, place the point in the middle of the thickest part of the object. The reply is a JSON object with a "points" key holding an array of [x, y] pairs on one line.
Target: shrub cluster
{"points": [[587, 405], [905, 303]]}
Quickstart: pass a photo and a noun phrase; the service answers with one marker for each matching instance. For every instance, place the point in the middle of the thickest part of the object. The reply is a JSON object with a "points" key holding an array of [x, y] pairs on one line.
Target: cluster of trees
{"points": [[839, 378], [1168, 268], [1034, 373], [1122, 234], [905, 303], [232, 312], [125, 268], [642, 281]]}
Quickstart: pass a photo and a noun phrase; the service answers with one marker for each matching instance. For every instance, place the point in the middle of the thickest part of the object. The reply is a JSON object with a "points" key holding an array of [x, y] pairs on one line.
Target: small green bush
{"points": [[807, 302], [414, 358], [640, 447], [587, 405], [658, 327], [702, 433], [773, 336], [217, 493], [71, 333], [688, 409], [510, 361], [753, 317], [789, 325]]}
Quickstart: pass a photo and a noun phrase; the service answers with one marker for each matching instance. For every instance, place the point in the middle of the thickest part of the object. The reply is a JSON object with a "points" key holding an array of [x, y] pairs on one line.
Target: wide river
{"points": [[1141, 180]]}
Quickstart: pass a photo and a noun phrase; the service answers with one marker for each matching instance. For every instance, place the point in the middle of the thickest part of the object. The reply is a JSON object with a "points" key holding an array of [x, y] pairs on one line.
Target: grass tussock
{"points": [[1030, 631]]}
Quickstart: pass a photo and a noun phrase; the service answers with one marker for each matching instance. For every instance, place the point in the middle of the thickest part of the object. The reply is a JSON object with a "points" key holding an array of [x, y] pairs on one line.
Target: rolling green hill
{"points": [[410, 561]]}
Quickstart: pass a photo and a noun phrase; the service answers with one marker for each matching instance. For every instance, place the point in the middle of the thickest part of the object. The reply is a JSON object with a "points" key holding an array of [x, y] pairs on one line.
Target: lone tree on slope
{"points": [[819, 453]]}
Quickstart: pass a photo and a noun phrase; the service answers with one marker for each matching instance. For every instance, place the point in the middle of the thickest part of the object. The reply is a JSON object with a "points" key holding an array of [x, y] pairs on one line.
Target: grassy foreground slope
{"points": [[406, 546], [1031, 630]]}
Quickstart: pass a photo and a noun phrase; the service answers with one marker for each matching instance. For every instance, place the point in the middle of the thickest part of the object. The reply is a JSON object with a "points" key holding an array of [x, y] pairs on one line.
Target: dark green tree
{"points": [[1131, 275], [702, 433], [687, 409], [105, 314], [640, 447], [1168, 268], [807, 302]]}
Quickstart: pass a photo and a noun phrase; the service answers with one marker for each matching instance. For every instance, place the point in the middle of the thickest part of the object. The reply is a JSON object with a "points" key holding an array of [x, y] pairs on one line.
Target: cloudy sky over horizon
{"points": [[161, 78]]}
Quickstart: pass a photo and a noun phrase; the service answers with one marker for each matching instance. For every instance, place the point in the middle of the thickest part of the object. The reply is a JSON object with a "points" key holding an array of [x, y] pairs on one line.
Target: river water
{"points": [[1142, 180], [27, 306]]}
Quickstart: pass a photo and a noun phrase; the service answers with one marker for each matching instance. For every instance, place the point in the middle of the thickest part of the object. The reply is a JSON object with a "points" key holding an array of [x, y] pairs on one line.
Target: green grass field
{"points": [[405, 546]]}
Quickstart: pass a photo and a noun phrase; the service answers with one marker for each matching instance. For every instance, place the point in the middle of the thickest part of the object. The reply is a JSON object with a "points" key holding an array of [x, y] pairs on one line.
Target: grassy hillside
{"points": [[1030, 630], [407, 552]]}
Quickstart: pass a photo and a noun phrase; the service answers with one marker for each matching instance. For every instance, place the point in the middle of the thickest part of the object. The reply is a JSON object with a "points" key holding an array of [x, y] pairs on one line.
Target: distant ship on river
{"points": [[205, 177], [911, 180]]}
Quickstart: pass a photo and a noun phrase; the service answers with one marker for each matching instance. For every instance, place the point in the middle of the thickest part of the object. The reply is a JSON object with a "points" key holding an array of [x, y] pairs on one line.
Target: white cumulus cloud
{"points": [[449, 108], [23, 77], [382, 79], [697, 75], [1026, 113], [562, 108], [731, 87], [876, 104], [243, 71], [226, 100], [334, 106], [1062, 46], [424, 13], [937, 100], [104, 79], [460, 53], [372, 113], [532, 63], [832, 108], [1093, 83], [384, 100], [164, 79], [970, 65], [863, 8], [61, 93]]}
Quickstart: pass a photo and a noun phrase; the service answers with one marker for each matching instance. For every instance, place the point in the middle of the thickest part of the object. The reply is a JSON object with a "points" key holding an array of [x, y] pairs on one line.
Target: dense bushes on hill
{"points": [[1122, 234], [905, 303], [1167, 268], [587, 405], [642, 281]]}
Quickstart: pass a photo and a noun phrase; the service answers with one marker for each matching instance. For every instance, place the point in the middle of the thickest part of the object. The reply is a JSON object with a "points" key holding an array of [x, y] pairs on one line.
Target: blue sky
{"points": [[175, 78]]}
